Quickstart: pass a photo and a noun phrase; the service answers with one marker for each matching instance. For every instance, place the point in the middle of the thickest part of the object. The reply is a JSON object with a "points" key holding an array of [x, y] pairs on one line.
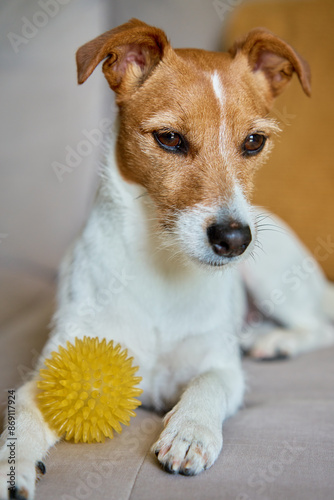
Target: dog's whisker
{"points": [[142, 195], [259, 246], [267, 229]]}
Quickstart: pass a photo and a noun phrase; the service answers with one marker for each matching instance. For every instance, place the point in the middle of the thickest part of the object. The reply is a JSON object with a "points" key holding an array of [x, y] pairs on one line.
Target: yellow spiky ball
{"points": [[87, 390]]}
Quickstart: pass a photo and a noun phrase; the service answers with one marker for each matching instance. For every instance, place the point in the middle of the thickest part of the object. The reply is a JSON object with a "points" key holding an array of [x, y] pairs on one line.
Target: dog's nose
{"points": [[229, 240]]}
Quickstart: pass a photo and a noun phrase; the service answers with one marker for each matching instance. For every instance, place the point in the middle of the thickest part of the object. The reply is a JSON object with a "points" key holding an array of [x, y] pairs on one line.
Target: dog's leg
{"points": [[33, 439], [192, 438], [283, 343], [288, 287]]}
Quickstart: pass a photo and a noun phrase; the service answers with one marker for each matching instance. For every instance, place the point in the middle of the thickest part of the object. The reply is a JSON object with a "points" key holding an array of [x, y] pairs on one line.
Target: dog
{"points": [[172, 223]]}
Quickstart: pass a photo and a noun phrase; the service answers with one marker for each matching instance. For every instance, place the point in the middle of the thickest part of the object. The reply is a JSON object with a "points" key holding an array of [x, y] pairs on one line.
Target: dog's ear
{"points": [[133, 44], [274, 58]]}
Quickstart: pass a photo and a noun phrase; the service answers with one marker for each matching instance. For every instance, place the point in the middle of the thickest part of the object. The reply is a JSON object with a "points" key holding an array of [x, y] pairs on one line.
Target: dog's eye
{"points": [[253, 144], [171, 141]]}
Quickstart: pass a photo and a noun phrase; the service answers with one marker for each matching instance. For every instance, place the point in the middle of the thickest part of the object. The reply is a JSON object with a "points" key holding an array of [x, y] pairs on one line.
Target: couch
{"points": [[281, 443]]}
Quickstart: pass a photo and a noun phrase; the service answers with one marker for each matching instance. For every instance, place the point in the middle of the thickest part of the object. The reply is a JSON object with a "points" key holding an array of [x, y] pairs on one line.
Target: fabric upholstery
{"points": [[279, 446]]}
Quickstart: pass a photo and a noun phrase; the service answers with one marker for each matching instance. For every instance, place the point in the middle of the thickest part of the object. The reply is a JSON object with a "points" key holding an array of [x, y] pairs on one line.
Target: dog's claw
{"points": [[187, 472], [41, 467], [168, 468]]}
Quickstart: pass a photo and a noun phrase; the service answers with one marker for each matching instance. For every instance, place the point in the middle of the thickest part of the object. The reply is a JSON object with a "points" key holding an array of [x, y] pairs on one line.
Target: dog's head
{"points": [[194, 128]]}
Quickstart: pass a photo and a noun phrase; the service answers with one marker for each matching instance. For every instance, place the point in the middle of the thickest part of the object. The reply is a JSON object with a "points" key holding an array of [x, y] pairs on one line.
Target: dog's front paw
{"points": [[19, 482], [186, 446]]}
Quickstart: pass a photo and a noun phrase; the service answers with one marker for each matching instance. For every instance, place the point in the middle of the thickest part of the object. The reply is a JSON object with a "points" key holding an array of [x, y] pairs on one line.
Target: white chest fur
{"points": [[120, 282]]}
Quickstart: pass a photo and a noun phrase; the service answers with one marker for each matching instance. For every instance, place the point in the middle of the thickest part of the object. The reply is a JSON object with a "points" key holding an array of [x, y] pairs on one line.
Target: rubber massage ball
{"points": [[88, 390]]}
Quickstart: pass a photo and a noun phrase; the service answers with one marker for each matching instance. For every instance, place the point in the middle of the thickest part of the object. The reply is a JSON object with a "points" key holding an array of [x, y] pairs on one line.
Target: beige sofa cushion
{"points": [[279, 446]]}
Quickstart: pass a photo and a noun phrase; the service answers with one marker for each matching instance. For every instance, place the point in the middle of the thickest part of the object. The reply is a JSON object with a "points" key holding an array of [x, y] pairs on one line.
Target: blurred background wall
{"points": [[49, 161], [48, 171]]}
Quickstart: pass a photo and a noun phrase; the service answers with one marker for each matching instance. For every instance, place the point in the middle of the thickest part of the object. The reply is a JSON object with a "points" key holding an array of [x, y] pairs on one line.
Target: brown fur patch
{"points": [[22, 493], [214, 100], [179, 96]]}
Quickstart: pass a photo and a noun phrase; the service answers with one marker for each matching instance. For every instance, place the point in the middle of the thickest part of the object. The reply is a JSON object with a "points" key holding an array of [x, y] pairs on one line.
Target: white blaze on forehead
{"points": [[218, 88], [220, 95]]}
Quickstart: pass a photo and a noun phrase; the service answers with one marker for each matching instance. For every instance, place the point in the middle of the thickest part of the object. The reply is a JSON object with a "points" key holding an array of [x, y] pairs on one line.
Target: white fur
{"points": [[124, 280], [179, 322], [218, 88], [193, 239], [220, 96]]}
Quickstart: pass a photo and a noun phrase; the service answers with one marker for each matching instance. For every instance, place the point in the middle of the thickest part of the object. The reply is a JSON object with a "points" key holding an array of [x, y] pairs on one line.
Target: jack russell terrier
{"points": [[173, 221]]}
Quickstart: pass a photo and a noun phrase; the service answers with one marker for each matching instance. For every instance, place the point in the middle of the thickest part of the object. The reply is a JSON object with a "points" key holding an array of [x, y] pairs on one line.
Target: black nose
{"points": [[229, 240]]}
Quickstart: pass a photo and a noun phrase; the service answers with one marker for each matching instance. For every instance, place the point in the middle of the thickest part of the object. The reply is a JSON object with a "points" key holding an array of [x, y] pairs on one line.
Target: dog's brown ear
{"points": [[276, 59], [134, 44]]}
